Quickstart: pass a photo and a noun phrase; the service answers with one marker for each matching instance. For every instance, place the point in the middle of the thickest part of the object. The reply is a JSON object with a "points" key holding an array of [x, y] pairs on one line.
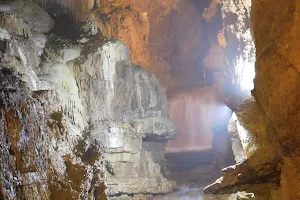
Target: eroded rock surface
{"points": [[76, 119], [265, 129]]}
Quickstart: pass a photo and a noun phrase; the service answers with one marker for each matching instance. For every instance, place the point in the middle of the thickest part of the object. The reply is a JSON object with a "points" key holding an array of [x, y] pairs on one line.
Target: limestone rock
{"points": [[273, 83], [262, 127], [290, 177], [135, 104], [251, 129], [277, 88], [240, 49], [237, 147], [29, 123], [25, 18], [156, 128], [257, 153], [92, 109]]}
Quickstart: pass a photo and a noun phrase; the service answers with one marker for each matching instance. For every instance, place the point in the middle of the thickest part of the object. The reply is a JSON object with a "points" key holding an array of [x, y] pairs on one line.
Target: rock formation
{"points": [[266, 127], [77, 121], [162, 36]]}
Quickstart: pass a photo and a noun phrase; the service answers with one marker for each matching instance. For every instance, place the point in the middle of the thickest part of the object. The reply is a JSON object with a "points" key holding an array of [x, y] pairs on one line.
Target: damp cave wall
{"points": [[76, 117]]}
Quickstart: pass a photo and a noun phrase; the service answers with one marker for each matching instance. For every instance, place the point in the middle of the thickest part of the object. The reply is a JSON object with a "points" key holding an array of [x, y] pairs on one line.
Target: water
{"points": [[187, 193], [197, 194]]}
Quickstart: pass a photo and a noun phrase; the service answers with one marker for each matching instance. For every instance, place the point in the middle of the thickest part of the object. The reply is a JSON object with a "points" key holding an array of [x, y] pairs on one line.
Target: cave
{"points": [[149, 99]]}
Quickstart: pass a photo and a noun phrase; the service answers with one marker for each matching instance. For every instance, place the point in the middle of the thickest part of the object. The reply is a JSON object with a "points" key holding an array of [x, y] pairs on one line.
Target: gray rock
{"points": [[126, 106], [156, 128], [91, 107], [35, 17]]}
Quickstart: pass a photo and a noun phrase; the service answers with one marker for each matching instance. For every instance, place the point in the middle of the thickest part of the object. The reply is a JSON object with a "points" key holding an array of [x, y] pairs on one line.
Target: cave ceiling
{"points": [[170, 38]]}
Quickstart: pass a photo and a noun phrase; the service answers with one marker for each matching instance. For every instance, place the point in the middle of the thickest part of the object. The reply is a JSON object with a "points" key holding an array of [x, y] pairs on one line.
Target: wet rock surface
{"points": [[74, 118], [265, 128]]}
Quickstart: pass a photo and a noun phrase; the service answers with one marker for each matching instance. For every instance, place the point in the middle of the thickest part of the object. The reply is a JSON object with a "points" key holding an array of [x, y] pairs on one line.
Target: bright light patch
{"points": [[245, 63], [246, 73]]}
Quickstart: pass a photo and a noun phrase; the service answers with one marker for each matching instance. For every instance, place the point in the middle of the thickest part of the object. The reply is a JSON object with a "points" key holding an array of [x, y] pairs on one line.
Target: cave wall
{"points": [[77, 121], [265, 128], [277, 81]]}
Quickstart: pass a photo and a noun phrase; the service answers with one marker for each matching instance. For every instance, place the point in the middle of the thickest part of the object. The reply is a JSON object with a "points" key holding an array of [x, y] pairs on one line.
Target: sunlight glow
{"points": [[246, 73], [245, 63]]}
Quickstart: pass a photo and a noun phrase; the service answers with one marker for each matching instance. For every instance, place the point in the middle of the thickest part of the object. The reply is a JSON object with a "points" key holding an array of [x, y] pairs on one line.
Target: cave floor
{"points": [[192, 169], [192, 194]]}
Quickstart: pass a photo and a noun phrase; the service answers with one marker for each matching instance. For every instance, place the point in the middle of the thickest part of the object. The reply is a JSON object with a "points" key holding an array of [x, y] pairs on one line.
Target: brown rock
{"points": [[14, 128], [290, 177], [277, 82]]}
